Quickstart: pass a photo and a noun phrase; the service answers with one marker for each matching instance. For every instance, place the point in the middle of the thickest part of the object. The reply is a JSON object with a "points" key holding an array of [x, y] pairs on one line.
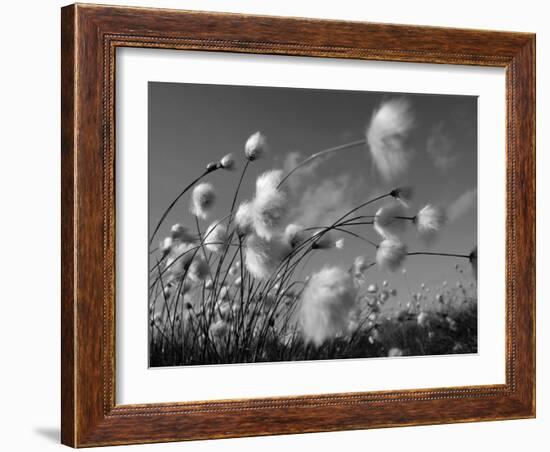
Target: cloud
{"points": [[324, 203], [386, 135], [441, 149], [462, 204], [317, 200], [302, 176]]}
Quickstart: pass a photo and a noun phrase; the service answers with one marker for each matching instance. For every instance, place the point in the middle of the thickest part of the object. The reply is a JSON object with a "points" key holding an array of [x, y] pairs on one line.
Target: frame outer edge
{"points": [[526, 137], [534, 226], [68, 242], [86, 418]]}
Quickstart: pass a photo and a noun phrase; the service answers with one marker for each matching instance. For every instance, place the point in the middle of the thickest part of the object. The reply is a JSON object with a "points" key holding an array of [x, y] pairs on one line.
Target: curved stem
{"points": [[201, 241], [427, 253], [405, 218], [173, 203], [193, 249], [378, 198], [321, 153], [356, 236], [358, 223], [237, 190]]}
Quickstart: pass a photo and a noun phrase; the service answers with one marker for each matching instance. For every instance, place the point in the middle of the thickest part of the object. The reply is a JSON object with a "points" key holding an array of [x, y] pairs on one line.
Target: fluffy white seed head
{"points": [[224, 293], [395, 352], [269, 214], [255, 146], [179, 259], [227, 162], [268, 181], [157, 319], [294, 235], [372, 288], [262, 256], [422, 319], [270, 205], [327, 241], [215, 237], [429, 220], [181, 233], [165, 246], [202, 200], [199, 269], [386, 135], [453, 326], [391, 254], [232, 270], [387, 221], [326, 305], [360, 265], [243, 217]]}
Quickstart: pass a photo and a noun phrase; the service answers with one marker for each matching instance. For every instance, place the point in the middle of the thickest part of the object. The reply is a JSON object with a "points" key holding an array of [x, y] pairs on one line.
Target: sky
{"points": [[191, 125]]}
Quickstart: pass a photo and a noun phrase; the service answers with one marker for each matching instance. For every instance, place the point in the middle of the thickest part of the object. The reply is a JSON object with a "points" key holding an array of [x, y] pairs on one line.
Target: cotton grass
{"points": [[360, 265], [326, 305], [215, 237], [263, 256], [395, 352], [257, 300], [219, 329], [386, 134], [227, 162], [165, 246], [389, 221], [181, 233], [202, 200], [391, 254], [255, 146], [270, 205], [243, 218], [422, 319], [294, 235], [327, 241], [429, 220], [199, 269], [179, 259]]}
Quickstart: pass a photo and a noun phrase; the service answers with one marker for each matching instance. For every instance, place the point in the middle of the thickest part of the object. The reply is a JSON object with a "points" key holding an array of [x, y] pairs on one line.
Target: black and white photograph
{"points": [[256, 226], [291, 224]]}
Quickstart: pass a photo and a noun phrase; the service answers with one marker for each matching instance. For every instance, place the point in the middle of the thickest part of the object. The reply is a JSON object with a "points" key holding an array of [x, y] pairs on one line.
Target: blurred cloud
{"points": [[318, 201], [441, 149], [462, 204], [302, 176], [324, 203]]}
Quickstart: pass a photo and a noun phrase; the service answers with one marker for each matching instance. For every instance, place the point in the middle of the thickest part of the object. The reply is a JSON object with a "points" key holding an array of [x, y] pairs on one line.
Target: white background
{"points": [[137, 384], [29, 178]]}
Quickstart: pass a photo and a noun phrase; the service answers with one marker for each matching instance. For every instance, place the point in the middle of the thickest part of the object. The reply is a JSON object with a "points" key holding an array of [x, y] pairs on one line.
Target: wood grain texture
{"points": [[90, 36]]}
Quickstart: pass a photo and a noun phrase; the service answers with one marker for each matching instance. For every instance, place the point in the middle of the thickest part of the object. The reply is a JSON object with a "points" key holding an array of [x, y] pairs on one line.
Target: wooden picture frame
{"points": [[90, 35]]}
